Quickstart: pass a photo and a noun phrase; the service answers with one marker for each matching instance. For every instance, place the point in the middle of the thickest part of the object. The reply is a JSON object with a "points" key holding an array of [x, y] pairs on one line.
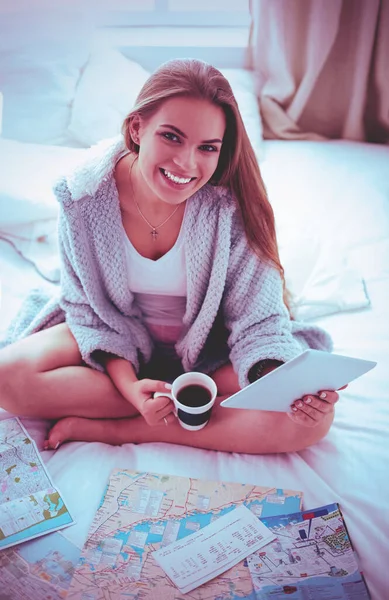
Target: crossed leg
{"points": [[43, 376], [121, 431]]}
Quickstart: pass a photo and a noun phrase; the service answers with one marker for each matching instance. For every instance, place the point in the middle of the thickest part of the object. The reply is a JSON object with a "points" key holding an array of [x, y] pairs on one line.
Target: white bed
{"points": [[331, 201]]}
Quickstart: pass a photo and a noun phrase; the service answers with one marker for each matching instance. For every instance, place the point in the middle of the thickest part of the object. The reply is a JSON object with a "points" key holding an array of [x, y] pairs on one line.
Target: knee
{"points": [[325, 426], [12, 382], [313, 435], [6, 373]]}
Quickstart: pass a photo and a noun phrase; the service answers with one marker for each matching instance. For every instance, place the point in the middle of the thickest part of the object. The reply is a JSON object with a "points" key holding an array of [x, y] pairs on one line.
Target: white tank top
{"points": [[159, 288]]}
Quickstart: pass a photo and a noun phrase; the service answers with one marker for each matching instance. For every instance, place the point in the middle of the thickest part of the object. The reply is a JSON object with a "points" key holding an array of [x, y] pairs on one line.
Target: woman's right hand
{"points": [[154, 410]]}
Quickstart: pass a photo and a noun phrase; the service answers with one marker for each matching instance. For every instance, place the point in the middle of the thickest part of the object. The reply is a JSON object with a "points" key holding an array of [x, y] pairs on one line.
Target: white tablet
{"points": [[308, 373]]}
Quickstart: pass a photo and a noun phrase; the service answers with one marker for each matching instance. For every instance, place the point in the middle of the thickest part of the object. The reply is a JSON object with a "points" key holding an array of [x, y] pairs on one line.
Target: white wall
{"points": [[223, 47]]}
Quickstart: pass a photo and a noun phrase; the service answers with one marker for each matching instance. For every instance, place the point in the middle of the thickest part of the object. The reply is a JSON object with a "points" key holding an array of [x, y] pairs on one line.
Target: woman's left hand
{"points": [[310, 410]]}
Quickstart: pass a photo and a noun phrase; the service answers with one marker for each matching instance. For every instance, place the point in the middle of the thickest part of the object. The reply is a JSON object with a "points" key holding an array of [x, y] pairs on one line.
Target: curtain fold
{"points": [[322, 68]]}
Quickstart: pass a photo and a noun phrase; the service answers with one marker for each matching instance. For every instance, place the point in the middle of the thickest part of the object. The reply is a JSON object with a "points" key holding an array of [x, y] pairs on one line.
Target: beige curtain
{"points": [[322, 68]]}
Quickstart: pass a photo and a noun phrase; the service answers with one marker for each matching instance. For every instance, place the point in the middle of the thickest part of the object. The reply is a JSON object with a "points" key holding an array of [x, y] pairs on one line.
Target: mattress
{"points": [[350, 465]]}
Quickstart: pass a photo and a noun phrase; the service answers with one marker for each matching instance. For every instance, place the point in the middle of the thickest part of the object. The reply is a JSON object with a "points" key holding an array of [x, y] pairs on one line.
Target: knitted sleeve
{"points": [[255, 315], [91, 332]]}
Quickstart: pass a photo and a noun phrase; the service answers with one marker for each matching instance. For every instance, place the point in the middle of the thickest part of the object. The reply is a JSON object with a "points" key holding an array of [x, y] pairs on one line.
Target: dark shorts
{"points": [[164, 365]]}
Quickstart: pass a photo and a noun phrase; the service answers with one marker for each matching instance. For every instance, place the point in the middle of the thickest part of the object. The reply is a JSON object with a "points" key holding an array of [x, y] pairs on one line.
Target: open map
{"points": [[41, 569], [141, 512], [312, 557], [30, 504]]}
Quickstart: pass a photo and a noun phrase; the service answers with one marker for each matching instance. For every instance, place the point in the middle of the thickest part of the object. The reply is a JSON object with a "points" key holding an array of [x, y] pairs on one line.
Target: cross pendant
{"points": [[154, 234]]}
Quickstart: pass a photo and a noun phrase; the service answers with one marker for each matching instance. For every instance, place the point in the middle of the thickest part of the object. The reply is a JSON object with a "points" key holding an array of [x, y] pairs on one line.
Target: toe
{"points": [[53, 441], [59, 433]]}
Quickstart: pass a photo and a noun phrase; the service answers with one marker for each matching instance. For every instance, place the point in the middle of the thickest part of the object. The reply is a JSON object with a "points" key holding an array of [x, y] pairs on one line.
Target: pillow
{"points": [[242, 83], [321, 279], [28, 207], [37, 244], [105, 94], [42, 52], [27, 174], [331, 205]]}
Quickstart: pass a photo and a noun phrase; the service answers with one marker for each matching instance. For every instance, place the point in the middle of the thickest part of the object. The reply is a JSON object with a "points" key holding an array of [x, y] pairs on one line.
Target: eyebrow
{"points": [[216, 140]]}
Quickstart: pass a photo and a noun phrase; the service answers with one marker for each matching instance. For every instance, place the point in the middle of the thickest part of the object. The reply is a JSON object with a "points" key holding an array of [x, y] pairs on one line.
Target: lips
{"points": [[175, 179]]}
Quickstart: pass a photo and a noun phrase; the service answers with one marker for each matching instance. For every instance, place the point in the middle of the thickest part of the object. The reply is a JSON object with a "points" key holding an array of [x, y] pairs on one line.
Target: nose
{"points": [[185, 160]]}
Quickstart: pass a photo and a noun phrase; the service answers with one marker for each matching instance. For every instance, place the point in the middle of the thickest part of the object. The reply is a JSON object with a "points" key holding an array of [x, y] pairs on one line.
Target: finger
{"points": [[343, 388], [301, 418], [149, 386], [166, 419], [313, 413], [165, 410], [160, 403], [312, 407], [314, 402], [307, 410], [328, 396]]}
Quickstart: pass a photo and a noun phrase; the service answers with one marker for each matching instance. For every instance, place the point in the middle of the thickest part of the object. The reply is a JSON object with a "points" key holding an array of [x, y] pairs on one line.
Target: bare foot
{"points": [[69, 428], [81, 429]]}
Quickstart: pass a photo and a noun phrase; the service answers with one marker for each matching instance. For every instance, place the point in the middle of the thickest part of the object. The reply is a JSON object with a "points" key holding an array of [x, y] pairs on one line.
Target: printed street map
{"points": [[30, 504], [41, 569], [141, 512]]}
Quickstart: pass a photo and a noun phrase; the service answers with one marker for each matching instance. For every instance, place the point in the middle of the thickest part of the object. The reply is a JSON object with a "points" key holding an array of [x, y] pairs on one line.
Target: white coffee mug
{"points": [[192, 417]]}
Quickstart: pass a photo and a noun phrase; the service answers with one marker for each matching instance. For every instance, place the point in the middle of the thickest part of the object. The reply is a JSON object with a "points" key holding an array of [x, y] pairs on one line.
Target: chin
{"points": [[172, 199]]}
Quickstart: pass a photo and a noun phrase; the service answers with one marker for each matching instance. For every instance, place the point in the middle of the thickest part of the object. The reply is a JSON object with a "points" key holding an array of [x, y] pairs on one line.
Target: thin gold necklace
{"points": [[154, 233]]}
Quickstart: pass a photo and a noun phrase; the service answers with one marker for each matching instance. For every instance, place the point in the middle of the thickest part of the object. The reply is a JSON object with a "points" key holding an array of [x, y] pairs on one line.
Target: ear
{"points": [[134, 129]]}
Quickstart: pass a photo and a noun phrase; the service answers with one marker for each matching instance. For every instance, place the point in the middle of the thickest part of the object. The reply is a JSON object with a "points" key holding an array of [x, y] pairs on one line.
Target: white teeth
{"points": [[176, 179]]}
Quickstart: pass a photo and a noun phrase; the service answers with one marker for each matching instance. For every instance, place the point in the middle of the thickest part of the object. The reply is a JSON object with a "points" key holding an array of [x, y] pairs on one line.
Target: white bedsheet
{"points": [[349, 466]]}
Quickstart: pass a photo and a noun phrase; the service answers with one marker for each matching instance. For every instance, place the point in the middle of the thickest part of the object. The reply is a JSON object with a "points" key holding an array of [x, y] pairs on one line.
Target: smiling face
{"points": [[179, 148]]}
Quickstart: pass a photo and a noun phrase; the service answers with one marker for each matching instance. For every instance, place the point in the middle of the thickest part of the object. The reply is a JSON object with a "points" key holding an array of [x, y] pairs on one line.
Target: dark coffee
{"points": [[194, 395]]}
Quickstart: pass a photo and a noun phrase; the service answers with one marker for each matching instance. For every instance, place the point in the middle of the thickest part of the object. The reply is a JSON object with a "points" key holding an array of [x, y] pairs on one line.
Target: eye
{"points": [[169, 136], [172, 137], [208, 148]]}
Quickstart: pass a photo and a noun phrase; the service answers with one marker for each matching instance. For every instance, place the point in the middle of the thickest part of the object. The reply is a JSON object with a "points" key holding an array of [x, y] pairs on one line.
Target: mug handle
{"points": [[168, 395]]}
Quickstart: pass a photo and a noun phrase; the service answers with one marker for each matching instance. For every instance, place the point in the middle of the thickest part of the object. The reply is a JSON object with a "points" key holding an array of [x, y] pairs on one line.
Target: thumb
{"points": [[153, 385]]}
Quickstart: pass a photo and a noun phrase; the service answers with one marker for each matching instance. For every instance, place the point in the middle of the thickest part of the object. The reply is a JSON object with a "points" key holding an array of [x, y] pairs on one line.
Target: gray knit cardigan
{"points": [[234, 305]]}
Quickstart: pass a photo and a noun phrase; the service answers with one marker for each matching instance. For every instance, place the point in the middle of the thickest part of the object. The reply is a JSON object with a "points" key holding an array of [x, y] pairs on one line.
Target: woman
{"points": [[169, 264]]}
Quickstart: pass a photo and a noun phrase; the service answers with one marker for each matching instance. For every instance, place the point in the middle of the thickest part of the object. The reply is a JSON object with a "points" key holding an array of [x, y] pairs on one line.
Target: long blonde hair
{"points": [[237, 167]]}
